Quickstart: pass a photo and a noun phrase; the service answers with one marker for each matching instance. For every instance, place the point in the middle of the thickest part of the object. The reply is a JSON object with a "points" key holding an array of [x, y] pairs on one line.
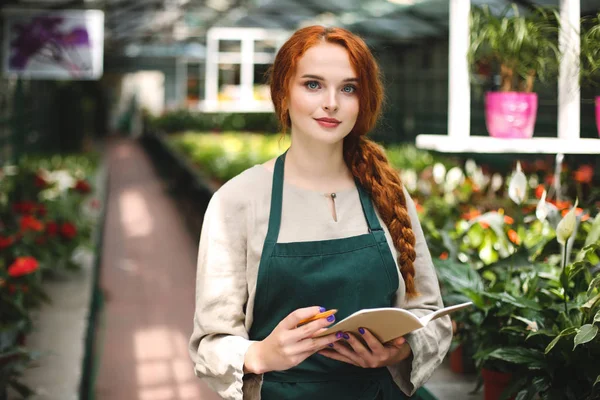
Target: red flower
{"points": [[418, 207], [578, 212], [508, 220], [42, 210], [514, 236], [444, 255], [40, 182], [584, 174], [31, 223], [52, 228], [23, 266], [24, 207], [68, 230], [561, 204], [539, 191], [82, 186], [5, 241], [472, 213]]}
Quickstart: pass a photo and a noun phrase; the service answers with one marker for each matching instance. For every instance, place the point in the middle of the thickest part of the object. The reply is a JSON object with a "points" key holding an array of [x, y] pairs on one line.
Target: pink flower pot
{"points": [[510, 114], [598, 114]]}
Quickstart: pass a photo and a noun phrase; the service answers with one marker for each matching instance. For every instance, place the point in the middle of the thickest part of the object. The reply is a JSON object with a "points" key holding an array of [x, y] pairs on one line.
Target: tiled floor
{"points": [[148, 275]]}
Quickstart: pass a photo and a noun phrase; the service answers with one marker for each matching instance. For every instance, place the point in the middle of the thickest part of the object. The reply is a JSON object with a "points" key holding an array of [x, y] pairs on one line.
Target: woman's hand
{"points": [[289, 344], [374, 355]]}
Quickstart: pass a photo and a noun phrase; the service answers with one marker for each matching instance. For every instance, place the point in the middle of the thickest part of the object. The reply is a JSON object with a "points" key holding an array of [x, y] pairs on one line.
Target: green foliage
{"points": [[590, 50], [225, 155], [521, 47], [186, 120]]}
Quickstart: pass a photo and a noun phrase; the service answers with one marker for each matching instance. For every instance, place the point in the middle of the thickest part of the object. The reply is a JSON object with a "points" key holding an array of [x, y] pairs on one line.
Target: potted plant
{"points": [[590, 57], [520, 48]]}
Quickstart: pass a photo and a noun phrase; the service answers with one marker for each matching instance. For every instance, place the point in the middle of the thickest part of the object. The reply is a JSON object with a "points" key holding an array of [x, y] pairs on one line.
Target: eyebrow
{"points": [[320, 78]]}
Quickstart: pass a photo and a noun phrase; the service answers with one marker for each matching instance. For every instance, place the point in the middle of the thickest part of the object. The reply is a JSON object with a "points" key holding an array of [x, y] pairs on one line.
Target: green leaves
{"points": [[531, 358], [524, 45], [567, 332], [586, 334], [597, 317], [520, 302]]}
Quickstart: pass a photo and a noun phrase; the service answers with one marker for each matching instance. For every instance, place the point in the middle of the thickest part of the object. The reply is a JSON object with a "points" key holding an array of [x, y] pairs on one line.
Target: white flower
{"points": [[409, 179], [10, 170], [517, 188], [454, 178], [470, 167], [63, 179], [541, 210], [439, 173], [480, 179], [496, 182], [566, 226]]}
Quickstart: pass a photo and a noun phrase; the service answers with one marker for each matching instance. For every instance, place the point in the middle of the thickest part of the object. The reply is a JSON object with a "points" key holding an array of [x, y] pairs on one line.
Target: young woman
{"points": [[327, 225]]}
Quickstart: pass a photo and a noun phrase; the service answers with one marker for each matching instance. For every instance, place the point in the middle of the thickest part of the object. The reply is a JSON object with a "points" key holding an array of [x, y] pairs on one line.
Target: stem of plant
{"points": [[564, 265]]}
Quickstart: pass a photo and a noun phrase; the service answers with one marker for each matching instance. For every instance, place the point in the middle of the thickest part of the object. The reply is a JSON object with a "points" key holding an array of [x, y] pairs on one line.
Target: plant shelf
{"points": [[486, 144]]}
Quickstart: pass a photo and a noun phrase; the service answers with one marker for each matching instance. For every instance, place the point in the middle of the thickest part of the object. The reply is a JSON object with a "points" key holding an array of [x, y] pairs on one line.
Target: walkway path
{"points": [[148, 275]]}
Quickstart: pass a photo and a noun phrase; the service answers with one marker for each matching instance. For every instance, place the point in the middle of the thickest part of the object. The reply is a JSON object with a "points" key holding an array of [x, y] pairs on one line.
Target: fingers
{"points": [[337, 356], [296, 316], [398, 342], [374, 344], [312, 345], [311, 329], [349, 353]]}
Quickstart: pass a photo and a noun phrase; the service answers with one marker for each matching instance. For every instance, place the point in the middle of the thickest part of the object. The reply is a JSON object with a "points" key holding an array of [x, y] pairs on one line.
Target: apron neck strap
{"points": [[277, 196], [368, 209]]}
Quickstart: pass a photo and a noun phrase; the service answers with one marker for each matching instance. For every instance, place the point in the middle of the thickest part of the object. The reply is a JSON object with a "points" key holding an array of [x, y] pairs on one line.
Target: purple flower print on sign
{"points": [[41, 39]]}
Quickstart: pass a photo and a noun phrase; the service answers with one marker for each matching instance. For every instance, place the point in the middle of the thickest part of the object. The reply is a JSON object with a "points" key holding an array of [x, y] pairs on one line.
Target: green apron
{"points": [[348, 274]]}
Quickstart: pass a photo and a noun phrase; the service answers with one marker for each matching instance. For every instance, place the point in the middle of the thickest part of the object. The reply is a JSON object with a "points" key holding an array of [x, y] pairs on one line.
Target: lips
{"points": [[328, 120], [328, 123]]}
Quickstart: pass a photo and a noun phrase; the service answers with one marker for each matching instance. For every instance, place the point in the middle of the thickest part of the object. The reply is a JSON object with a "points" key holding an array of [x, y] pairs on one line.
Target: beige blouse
{"points": [[233, 232]]}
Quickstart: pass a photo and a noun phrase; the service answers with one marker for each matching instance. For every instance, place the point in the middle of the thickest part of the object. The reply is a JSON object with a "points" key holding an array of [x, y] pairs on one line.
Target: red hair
{"points": [[365, 158]]}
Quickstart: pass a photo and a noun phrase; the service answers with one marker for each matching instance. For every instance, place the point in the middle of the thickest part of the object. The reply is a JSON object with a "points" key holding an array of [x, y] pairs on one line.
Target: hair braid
{"points": [[371, 167]]}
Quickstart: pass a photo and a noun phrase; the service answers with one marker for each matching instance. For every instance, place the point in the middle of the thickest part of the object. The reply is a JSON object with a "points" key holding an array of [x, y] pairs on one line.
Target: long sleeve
{"points": [[220, 340], [430, 344]]}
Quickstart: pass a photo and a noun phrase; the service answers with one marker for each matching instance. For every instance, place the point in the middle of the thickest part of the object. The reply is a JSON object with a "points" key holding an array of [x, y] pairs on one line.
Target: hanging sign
{"points": [[53, 44]]}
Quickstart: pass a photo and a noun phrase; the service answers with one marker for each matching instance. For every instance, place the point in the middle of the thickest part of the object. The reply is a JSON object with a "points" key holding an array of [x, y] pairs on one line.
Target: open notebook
{"points": [[388, 323]]}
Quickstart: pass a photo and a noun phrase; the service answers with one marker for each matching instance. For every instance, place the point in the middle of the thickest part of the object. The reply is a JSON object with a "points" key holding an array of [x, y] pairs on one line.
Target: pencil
{"points": [[318, 316]]}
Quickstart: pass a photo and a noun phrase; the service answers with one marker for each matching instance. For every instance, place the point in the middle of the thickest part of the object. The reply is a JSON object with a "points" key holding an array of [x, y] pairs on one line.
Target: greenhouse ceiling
{"points": [[169, 21]]}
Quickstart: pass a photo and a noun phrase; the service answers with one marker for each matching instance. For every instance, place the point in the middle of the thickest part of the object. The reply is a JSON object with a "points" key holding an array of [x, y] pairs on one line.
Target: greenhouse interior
{"points": [[142, 147]]}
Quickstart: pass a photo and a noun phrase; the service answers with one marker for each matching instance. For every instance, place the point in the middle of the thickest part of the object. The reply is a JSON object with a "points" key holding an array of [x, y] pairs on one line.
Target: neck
{"points": [[318, 166]]}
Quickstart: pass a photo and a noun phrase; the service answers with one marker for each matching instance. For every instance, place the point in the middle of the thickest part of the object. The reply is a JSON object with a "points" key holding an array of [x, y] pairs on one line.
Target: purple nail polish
{"points": [[330, 345], [322, 309], [346, 336], [339, 335], [361, 330], [331, 318]]}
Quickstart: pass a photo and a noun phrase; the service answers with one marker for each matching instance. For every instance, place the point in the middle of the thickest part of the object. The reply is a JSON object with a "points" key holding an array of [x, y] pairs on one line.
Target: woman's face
{"points": [[323, 97]]}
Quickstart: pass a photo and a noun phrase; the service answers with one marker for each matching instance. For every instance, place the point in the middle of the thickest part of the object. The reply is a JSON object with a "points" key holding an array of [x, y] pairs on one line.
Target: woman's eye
{"points": [[312, 85], [349, 89]]}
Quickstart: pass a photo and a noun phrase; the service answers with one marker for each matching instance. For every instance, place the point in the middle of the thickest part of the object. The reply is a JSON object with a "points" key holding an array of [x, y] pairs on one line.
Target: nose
{"points": [[330, 103]]}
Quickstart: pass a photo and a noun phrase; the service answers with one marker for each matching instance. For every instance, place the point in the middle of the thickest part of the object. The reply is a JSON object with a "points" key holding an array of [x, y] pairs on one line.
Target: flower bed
{"points": [[47, 214]]}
